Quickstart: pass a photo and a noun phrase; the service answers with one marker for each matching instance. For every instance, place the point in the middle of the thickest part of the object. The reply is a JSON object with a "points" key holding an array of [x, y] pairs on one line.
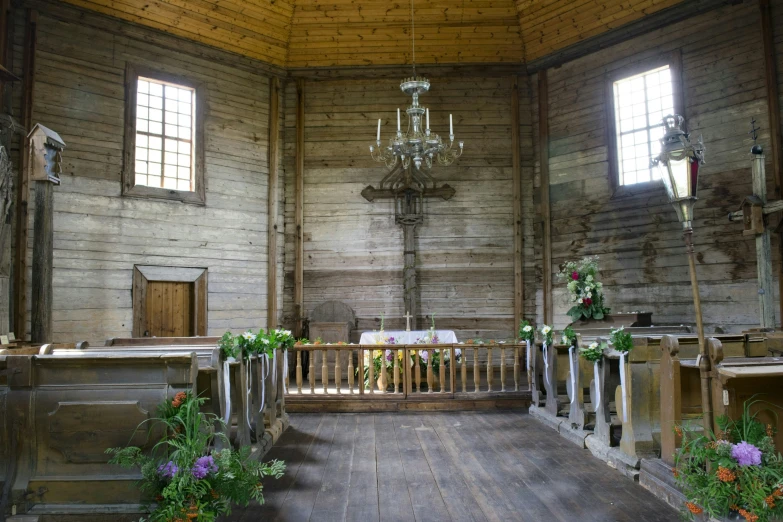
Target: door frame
{"points": [[143, 274]]}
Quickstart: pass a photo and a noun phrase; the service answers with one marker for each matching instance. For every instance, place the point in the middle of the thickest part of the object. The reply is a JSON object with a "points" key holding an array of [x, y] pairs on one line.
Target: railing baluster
{"points": [[338, 372], [476, 374], [503, 368], [464, 368], [490, 373], [372, 371], [384, 376], [430, 376], [418, 371], [442, 370], [299, 372], [453, 370], [516, 368], [350, 371], [396, 355], [325, 370], [409, 356], [361, 371], [311, 371]]}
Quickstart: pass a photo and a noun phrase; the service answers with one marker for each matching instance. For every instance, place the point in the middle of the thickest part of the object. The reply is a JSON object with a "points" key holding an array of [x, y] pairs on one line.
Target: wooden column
{"points": [[543, 149], [516, 168], [43, 244], [272, 202], [773, 111], [299, 209], [410, 286], [22, 184]]}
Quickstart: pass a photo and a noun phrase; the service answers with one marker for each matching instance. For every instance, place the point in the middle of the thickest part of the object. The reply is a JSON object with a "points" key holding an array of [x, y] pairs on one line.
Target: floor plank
{"points": [[460, 466]]}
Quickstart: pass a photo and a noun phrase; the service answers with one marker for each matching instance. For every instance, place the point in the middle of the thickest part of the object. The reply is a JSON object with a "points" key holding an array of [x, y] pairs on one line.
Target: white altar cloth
{"points": [[403, 337]]}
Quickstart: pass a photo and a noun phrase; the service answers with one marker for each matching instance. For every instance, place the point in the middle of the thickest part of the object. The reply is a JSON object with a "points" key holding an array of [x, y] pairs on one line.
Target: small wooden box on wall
{"points": [[45, 154], [752, 216]]}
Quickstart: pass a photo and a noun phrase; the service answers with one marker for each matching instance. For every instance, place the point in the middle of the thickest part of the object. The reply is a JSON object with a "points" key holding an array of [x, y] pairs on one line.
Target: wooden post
{"points": [[409, 272], [43, 258], [299, 209], [763, 247], [22, 185], [272, 203], [543, 148], [516, 173]]}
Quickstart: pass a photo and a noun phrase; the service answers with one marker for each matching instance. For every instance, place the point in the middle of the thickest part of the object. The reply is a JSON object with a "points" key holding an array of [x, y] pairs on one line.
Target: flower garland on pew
{"points": [[622, 341], [738, 471], [547, 337], [186, 478], [594, 353], [586, 292]]}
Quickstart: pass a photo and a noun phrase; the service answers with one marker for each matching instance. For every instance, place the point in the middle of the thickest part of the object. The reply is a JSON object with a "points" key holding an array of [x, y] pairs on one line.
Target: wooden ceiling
{"points": [[324, 33]]}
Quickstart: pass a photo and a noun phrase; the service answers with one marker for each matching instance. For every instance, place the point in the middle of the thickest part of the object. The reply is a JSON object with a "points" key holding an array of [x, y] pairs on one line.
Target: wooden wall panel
{"points": [[637, 236], [99, 235], [353, 248]]}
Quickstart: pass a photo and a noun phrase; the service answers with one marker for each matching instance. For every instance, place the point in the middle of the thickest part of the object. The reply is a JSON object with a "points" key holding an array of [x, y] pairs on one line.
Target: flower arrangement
{"points": [[740, 471], [621, 340], [593, 352], [569, 336], [526, 331], [585, 291], [248, 344], [547, 334], [436, 358], [187, 480]]}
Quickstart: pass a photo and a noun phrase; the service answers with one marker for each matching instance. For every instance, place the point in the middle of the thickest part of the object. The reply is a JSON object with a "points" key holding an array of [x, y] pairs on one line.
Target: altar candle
{"points": [[451, 126], [398, 120], [428, 119], [379, 130]]}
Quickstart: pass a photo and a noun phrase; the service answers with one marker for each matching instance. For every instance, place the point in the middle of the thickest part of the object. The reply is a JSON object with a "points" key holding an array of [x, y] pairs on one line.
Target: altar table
{"points": [[403, 337]]}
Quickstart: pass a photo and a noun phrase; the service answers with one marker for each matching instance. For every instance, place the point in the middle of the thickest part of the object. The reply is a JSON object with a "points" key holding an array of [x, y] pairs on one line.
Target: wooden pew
{"points": [[65, 410]]}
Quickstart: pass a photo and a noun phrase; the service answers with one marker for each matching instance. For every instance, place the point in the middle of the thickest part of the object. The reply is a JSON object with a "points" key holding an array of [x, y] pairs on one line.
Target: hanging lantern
{"points": [[679, 163]]}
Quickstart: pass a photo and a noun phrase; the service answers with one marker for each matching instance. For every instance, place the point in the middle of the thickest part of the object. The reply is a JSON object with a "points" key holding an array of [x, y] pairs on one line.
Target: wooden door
{"points": [[169, 310]]}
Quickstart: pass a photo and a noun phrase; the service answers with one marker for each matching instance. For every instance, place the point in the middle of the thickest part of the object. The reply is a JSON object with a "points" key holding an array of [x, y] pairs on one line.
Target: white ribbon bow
{"points": [[264, 360], [597, 386], [527, 343], [227, 391], [546, 365], [573, 377], [622, 386]]}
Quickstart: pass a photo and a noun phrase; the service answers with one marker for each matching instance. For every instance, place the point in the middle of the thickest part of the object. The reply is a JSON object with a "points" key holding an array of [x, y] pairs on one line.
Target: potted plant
{"points": [[736, 473], [185, 476]]}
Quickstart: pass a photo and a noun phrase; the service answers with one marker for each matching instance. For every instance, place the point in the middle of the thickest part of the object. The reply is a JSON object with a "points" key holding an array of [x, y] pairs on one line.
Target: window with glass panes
{"points": [[164, 135], [640, 104]]}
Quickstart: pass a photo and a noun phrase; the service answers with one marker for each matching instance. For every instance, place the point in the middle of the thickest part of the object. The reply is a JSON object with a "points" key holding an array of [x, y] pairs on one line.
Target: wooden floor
{"points": [[443, 466]]}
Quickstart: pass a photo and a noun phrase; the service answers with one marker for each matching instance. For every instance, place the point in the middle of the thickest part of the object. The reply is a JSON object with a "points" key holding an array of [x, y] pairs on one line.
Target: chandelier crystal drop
{"points": [[418, 144]]}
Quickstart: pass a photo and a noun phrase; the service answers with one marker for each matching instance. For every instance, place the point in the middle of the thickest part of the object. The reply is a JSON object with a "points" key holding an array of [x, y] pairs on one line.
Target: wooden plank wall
{"points": [[643, 261], [99, 235], [353, 248]]}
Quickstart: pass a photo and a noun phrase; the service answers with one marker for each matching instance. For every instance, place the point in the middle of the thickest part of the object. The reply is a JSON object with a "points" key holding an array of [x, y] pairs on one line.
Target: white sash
{"points": [[527, 343], [597, 386], [573, 376], [622, 386], [264, 362], [285, 369], [249, 389], [546, 365], [227, 390]]}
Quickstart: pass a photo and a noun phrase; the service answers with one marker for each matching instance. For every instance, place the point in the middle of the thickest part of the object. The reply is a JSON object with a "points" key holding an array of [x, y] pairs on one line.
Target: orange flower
{"points": [[678, 431], [675, 472], [726, 475], [179, 398], [770, 500], [778, 493], [770, 431], [693, 508], [214, 494], [750, 517]]}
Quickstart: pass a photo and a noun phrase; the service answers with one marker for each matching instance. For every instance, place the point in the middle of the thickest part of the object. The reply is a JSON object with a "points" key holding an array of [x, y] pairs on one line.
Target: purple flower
{"points": [[435, 339], [168, 470], [389, 356], [746, 454], [424, 354], [391, 340], [203, 467]]}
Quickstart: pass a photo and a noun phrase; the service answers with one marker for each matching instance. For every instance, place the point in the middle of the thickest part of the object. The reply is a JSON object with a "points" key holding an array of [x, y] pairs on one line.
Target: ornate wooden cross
{"points": [[753, 214], [408, 187]]}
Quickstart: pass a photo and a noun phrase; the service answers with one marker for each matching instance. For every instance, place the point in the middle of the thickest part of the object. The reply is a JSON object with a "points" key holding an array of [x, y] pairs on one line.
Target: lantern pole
{"points": [[679, 162]]}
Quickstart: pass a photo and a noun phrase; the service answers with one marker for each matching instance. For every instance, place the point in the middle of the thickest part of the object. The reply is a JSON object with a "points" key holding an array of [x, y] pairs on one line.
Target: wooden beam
{"points": [[272, 202], [516, 173], [6, 34], [646, 24], [43, 258], [23, 187], [299, 209], [543, 151], [401, 71], [773, 112]]}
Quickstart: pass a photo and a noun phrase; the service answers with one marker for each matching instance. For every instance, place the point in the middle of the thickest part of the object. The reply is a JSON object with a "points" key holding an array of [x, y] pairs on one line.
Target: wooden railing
{"points": [[408, 370]]}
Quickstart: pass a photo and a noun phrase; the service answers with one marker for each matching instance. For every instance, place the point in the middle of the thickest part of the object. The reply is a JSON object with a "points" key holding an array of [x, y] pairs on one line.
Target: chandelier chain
{"points": [[413, 39]]}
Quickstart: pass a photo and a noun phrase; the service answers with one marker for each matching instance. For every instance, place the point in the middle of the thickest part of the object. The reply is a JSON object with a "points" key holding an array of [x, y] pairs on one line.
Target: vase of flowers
{"points": [[736, 473], [185, 476], [584, 290]]}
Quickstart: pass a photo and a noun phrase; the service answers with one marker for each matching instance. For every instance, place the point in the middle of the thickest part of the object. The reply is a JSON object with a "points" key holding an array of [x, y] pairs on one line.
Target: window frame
{"points": [[674, 61], [129, 187]]}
